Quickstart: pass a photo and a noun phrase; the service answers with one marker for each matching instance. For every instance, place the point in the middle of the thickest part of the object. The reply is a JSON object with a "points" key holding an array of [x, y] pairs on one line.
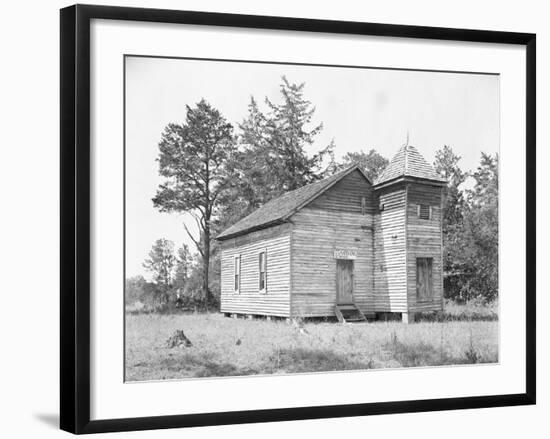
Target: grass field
{"points": [[230, 347]]}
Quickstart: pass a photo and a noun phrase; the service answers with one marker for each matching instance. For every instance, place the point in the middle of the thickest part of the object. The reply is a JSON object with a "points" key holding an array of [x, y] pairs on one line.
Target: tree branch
{"points": [[219, 189], [199, 185], [197, 243], [201, 224]]}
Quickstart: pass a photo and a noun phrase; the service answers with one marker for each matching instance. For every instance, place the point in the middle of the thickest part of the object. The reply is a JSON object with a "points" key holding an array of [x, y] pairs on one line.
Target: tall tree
{"points": [[160, 263], [480, 250], [470, 227], [289, 132], [372, 162], [485, 190], [193, 160], [274, 158], [446, 164]]}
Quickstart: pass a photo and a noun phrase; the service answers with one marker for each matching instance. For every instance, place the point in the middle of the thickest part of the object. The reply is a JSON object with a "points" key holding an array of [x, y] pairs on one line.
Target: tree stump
{"points": [[178, 339]]}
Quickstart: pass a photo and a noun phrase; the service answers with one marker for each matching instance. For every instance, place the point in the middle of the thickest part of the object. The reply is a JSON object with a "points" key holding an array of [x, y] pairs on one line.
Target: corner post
{"points": [[407, 317]]}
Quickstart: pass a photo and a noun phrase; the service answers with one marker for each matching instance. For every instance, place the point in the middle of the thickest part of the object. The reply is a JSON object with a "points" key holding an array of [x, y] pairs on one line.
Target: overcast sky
{"points": [[360, 109]]}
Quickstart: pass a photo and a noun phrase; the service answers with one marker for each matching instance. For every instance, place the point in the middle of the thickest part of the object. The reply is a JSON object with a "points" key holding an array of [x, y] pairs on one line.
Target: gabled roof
{"points": [[408, 162], [280, 209]]}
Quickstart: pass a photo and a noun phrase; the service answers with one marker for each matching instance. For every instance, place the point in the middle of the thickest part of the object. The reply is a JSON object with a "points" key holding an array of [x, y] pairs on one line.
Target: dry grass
{"points": [[473, 310], [271, 347]]}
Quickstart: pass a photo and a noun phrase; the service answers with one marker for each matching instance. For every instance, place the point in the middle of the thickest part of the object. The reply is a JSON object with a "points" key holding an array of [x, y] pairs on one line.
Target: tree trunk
{"points": [[206, 263]]}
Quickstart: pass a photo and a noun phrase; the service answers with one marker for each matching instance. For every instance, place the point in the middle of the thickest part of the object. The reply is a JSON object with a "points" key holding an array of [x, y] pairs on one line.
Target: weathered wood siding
{"points": [[276, 301], [345, 196], [424, 239], [333, 220], [390, 275]]}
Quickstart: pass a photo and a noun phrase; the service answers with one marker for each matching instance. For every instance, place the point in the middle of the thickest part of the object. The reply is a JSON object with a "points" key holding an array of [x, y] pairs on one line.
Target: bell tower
{"points": [[408, 243]]}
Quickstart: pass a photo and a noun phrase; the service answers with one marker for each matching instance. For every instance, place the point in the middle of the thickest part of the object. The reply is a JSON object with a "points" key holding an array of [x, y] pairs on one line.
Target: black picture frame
{"points": [[75, 217]]}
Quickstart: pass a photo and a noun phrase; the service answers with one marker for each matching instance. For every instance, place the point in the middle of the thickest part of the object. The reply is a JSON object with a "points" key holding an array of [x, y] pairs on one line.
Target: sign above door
{"points": [[345, 253]]}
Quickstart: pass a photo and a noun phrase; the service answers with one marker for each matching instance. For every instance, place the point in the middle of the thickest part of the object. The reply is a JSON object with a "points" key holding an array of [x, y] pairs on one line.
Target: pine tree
{"points": [[274, 158], [194, 161]]}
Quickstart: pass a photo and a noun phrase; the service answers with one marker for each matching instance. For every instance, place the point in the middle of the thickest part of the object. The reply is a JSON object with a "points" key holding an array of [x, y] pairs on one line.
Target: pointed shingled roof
{"points": [[408, 162], [281, 208]]}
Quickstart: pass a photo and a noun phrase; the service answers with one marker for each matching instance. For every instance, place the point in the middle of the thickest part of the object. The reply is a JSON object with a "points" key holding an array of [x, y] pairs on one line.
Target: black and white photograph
{"points": [[294, 218], [275, 219]]}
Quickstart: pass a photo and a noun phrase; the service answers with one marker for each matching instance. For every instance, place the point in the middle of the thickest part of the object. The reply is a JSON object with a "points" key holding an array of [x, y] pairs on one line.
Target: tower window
{"points": [[424, 211]]}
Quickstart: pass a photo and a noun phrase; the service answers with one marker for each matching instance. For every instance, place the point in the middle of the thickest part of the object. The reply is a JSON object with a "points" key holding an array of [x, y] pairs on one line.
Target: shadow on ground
{"points": [[203, 366], [280, 361]]}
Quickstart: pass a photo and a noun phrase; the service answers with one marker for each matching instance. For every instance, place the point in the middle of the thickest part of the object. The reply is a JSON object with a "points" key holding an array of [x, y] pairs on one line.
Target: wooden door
{"points": [[344, 281], [424, 278]]}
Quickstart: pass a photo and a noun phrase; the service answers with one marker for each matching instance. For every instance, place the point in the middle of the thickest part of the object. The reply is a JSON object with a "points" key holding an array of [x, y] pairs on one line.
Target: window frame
{"points": [[419, 209], [237, 276], [264, 289]]}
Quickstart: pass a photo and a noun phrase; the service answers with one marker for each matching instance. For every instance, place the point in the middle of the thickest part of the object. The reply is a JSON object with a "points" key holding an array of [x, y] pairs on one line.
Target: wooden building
{"points": [[342, 246]]}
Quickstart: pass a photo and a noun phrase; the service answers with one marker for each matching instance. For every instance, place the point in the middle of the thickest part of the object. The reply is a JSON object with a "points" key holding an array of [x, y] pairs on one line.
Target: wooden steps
{"points": [[349, 313]]}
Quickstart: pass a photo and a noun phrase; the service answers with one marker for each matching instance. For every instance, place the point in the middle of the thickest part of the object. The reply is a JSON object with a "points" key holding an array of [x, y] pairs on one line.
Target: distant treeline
{"points": [[218, 173]]}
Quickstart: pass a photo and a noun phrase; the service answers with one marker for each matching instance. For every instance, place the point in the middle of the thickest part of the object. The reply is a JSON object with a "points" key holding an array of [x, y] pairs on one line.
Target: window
{"points": [[424, 279], [424, 211], [262, 259], [363, 205], [237, 272]]}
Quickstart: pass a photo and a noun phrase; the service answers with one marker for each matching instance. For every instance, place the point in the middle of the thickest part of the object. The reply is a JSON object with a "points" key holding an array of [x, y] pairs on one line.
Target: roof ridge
{"points": [[322, 180], [334, 178]]}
